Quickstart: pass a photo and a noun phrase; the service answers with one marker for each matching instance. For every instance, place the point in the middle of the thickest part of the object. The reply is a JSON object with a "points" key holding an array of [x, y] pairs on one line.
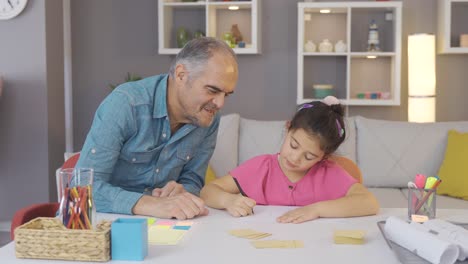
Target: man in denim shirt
{"points": [[151, 140]]}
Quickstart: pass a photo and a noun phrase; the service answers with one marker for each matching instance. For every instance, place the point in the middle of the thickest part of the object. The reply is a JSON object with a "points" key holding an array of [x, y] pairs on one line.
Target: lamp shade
{"points": [[421, 78]]}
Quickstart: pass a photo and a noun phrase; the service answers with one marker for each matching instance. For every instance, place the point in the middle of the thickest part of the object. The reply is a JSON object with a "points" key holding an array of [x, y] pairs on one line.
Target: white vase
{"points": [[310, 46], [340, 46], [325, 46]]}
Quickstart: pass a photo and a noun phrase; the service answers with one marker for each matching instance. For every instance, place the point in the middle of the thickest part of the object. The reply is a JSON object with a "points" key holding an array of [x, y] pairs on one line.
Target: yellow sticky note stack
{"points": [[164, 236], [248, 233], [278, 244], [354, 237]]}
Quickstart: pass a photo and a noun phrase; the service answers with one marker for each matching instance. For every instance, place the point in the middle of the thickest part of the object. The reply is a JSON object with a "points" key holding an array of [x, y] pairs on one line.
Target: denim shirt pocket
{"points": [[136, 169], [137, 157], [185, 154]]}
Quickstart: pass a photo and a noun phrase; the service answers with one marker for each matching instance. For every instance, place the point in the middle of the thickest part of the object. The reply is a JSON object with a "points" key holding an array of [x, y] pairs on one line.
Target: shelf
{"points": [[452, 23], [213, 18], [358, 76]]}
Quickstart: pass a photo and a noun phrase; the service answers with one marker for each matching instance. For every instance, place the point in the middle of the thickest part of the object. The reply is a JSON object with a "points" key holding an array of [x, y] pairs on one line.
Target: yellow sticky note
{"points": [[278, 244], [419, 218], [165, 236], [151, 221], [161, 227], [353, 237], [248, 233]]}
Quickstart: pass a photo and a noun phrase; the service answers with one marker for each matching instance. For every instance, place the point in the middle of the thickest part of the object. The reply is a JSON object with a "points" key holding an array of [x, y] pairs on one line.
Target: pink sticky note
{"points": [[165, 222]]}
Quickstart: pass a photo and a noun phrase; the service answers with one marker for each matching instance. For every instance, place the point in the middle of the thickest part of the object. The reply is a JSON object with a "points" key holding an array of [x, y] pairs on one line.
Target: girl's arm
{"points": [[357, 202], [223, 193]]}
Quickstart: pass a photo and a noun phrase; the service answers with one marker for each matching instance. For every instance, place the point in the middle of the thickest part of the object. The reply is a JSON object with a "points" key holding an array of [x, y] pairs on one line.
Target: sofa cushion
{"points": [[454, 169], [225, 154], [265, 137], [259, 137], [210, 175], [389, 197], [348, 147], [391, 153]]}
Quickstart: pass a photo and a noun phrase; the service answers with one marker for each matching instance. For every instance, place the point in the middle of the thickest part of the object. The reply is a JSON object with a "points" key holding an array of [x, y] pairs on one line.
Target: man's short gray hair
{"points": [[197, 52]]}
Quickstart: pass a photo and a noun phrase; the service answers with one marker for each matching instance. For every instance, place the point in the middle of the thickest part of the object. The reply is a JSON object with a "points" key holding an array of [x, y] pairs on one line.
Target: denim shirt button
{"points": [[93, 150], [188, 157], [134, 159], [157, 170], [164, 135]]}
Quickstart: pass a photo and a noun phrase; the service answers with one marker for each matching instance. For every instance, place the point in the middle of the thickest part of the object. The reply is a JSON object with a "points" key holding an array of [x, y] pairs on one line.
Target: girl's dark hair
{"points": [[323, 121]]}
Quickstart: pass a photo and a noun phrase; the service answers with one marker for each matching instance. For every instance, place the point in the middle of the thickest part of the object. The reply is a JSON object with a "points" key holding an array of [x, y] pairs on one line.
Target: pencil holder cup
{"points": [[129, 239], [77, 210], [421, 202]]}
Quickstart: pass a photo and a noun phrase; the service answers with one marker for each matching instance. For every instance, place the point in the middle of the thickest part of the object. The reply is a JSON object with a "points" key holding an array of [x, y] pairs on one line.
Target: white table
{"points": [[208, 240]]}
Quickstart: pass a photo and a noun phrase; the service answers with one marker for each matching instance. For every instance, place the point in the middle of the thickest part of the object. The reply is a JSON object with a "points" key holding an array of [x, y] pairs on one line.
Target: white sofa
{"points": [[389, 153]]}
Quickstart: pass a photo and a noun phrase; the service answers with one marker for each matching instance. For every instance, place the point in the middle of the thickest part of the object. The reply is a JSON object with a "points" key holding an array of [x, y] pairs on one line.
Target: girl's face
{"points": [[299, 152]]}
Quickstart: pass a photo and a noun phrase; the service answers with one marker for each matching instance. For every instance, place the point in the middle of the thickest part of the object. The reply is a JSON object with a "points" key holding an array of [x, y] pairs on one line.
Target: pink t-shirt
{"points": [[262, 179]]}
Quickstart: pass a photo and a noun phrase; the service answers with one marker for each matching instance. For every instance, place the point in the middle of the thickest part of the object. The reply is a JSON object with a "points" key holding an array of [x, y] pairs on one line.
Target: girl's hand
{"points": [[299, 215], [240, 206]]}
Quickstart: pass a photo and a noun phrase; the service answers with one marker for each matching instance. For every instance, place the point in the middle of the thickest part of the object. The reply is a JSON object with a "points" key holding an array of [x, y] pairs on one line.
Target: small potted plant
{"points": [[129, 78]]}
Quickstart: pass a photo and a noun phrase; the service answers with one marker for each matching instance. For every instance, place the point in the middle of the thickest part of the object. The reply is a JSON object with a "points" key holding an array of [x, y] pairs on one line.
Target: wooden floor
{"points": [[4, 238]]}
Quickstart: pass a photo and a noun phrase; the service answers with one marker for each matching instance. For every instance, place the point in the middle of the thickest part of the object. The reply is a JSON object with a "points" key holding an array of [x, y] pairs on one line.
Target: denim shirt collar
{"points": [[160, 103]]}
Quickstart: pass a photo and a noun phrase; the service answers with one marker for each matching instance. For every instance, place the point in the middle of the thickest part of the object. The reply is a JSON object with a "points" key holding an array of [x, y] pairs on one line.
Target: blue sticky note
{"points": [[181, 227]]}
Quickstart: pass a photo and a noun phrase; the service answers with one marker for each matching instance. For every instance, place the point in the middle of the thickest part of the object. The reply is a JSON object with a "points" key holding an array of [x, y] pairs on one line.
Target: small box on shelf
{"points": [[368, 59]]}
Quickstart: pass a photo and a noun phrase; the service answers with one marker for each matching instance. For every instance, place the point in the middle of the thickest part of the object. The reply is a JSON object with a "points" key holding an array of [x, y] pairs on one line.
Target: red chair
{"points": [[28, 213]]}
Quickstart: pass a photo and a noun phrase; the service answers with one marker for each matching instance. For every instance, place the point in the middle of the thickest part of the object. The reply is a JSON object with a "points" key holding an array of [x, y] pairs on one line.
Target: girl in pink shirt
{"points": [[300, 175]]}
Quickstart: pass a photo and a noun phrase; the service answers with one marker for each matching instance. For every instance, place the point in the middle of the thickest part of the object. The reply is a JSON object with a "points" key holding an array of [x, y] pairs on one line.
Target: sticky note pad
{"points": [[151, 221], [181, 227], [248, 233], [165, 222], [161, 227], [354, 237], [165, 236], [278, 244], [184, 223], [419, 218]]}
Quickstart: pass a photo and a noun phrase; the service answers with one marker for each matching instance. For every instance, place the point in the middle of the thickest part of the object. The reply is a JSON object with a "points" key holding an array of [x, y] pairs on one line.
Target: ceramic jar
{"points": [[182, 37], [322, 90], [325, 46], [464, 40], [340, 46], [309, 46]]}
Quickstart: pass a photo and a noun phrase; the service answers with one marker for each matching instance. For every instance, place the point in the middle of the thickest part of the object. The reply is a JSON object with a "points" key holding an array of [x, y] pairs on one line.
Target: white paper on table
{"points": [[420, 242], [451, 233]]}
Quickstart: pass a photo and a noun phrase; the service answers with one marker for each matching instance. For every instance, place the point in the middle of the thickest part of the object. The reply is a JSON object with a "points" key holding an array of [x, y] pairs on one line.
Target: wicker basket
{"points": [[47, 238]]}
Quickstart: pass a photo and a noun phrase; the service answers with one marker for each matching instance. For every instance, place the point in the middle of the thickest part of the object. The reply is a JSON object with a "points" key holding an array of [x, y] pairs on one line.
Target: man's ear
{"points": [[180, 72]]}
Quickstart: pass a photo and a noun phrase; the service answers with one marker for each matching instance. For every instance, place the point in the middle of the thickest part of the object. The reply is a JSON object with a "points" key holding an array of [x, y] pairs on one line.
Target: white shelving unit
{"points": [[213, 17], [452, 23], [358, 76]]}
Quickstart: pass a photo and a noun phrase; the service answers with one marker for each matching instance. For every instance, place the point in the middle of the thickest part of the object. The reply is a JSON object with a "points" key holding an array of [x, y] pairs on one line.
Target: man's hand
{"points": [[299, 215], [181, 206], [240, 206], [172, 188]]}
